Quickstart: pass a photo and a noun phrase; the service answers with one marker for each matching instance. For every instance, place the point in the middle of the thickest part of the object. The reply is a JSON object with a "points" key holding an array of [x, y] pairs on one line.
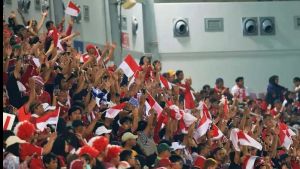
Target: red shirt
{"points": [[44, 97], [27, 149]]}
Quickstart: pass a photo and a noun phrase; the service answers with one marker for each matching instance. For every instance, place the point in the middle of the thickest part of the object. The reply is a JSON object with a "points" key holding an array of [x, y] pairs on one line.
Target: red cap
{"points": [[199, 162], [24, 130], [164, 163], [112, 152], [89, 151], [99, 142], [76, 164]]}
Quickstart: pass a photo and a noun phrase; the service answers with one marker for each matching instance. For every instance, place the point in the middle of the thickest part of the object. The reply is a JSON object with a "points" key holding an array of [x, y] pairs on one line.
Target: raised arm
{"points": [[41, 22]]}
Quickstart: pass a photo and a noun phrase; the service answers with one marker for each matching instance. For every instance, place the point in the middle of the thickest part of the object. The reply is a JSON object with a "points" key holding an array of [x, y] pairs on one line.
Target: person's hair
{"points": [[142, 60], [125, 119], [125, 155], [155, 62], [33, 106], [73, 109], [48, 158], [178, 72], [14, 149], [48, 24], [142, 125], [209, 163], [219, 80], [272, 79], [86, 157], [175, 158], [296, 79], [238, 79], [201, 147], [205, 86]]}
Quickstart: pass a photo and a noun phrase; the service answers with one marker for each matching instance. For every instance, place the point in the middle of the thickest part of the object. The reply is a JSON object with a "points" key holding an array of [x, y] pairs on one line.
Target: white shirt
{"points": [[241, 93]]}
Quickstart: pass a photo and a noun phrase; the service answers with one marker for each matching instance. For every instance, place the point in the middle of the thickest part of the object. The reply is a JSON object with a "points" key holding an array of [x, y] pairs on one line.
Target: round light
{"points": [[267, 26], [181, 27], [250, 26]]}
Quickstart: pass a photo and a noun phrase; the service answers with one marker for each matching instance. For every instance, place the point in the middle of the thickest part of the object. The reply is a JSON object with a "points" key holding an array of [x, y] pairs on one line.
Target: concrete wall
{"points": [[206, 56]]}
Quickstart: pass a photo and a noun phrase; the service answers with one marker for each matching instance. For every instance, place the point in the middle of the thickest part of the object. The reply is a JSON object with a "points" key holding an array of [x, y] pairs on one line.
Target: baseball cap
{"points": [[128, 135], [102, 130], [13, 140], [47, 107], [171, 72], [163, 147], [177, 146]]}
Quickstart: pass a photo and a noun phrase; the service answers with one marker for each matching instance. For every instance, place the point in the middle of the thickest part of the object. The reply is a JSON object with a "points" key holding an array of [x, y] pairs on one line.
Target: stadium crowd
{"points": [[78, 111]]}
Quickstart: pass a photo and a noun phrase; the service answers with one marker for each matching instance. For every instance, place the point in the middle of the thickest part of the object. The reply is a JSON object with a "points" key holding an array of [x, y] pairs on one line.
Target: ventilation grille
{"points": [[297, 22], [214, 24], [86, 13]]}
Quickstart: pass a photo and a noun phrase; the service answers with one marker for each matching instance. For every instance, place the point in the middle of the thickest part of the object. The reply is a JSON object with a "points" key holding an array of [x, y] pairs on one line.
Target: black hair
{"points": [[175, 158], [142, 60], [165, 141], [179, 138], [178, 72], [86, 157], [238, 79], [219, 80], [272, 79], [201, 146], [142, 125], [155, 62], [48, 158], [296, 79], [205, 86], [73, 109], [125, 155], [125, 119], [48, 24]]}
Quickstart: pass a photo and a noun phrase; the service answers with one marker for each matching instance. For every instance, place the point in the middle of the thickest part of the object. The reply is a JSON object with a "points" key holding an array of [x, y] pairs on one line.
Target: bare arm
{"points": [[70, 36], [41, 22], [48, 147]]}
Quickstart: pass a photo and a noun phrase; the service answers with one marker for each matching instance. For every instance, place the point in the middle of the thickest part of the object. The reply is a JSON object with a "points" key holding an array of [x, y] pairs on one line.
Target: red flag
{"points": [[114, 111], [151, 103], [285, 135], [165, 83], [189, 98], [8, 121], [129, 66], [216, 133], [72, 9], [49, 118], [203, 127]]}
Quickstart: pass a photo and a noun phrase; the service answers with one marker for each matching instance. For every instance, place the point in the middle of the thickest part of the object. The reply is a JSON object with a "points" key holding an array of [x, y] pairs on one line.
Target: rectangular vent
{"points": [[8, 2], [297, 22], [86, 13], [37, 4], [214, 24]]}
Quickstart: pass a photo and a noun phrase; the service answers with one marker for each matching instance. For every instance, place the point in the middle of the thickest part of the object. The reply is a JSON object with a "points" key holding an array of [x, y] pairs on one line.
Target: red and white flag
{"points": [[285, 135], [49, 118], [176, 113], [165, 83], [8, 121], [216, 133], [115, 110], [238, 137], [249, 162], [151, 103], [136, 75], [203, 126], [72, 9], [129, 66], [204, 110], [189, 98]]}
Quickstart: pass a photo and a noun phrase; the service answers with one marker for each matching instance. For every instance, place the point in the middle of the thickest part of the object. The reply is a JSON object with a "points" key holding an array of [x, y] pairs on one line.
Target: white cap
{"points": [[177, 146], [102, 130], [13, 140], [47, 107], [123, 165]]}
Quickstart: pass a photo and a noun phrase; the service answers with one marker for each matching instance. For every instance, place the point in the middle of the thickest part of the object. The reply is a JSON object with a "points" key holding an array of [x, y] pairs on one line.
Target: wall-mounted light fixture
{"points": [[267, 25], [249, 26], [181, 27]]}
